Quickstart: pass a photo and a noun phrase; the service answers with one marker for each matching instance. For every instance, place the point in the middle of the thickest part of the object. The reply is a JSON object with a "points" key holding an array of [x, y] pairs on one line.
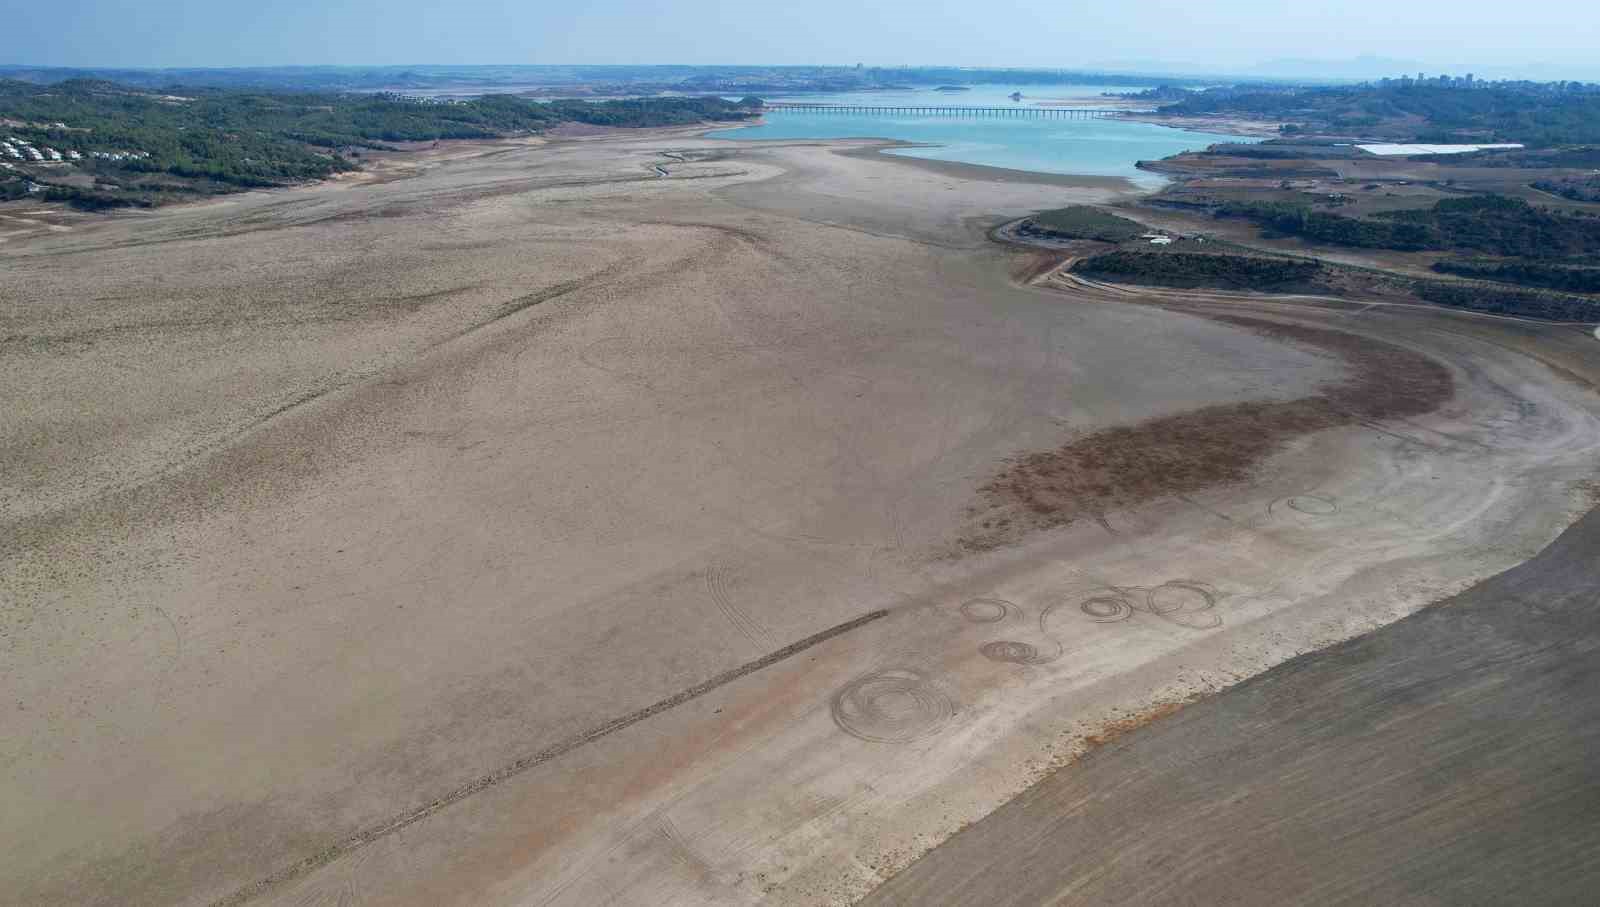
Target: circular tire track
{"points": [[1312, 505], [1013, 652], [1307, 504], [896, 705], [988, 610], [1187, 604], [1107, 609]]}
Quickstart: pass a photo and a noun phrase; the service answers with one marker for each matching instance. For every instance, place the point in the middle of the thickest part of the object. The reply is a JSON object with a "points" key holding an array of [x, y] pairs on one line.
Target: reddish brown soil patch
{"points": [[1590, 490], [1128, 725], [1176, 455]]}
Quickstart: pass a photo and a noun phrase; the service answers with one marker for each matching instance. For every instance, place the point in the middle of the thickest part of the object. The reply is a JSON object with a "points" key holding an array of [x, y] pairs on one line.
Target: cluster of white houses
{"points": [[120, 155], [24, 150]]}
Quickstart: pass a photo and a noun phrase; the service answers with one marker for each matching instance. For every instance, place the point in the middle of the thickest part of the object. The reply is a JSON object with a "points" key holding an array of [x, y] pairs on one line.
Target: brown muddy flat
{"points": [[536, 529], [1216, 445]]}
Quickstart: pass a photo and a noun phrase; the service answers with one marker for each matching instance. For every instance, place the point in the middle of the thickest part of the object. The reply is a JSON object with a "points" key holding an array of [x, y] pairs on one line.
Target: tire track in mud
{"points": [[276, 216], [754, 239], [171, 669], [575, 872], [41, 524], [679, 847], [988, 610], [1490, 695], [897, 524], [377, 832], [1010, 651], [374, 309], [1306, 503], [344, 890], [1188, 499], [1184, 603], [893, 705], [717, 589], [994, 611], [523, 303], [147, 500], [649, 824]]}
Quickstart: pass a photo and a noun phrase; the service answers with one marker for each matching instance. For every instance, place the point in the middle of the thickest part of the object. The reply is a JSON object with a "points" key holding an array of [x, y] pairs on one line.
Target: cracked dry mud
{"points": [[432, 477]]}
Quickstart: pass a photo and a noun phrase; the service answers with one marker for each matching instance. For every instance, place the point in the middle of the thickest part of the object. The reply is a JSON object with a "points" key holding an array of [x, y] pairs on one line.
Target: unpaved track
{"points": [[323, 506]]}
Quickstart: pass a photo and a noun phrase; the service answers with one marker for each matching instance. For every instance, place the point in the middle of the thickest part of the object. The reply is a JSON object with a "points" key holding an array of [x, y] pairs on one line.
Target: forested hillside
{"points": [[137, 147], [1491, 224], [1535, 114]]}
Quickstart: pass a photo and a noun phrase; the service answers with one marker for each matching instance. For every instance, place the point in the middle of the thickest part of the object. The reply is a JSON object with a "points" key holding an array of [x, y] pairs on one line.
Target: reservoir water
{"points": [[1043, 144]]}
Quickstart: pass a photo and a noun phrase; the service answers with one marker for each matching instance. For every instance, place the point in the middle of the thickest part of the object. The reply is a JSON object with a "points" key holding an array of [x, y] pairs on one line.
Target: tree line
{"points": [[1533, 114], [221, 140], [1492, 224]]}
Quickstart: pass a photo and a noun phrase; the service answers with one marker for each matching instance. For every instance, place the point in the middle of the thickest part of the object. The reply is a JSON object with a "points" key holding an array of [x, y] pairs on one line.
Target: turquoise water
{"points": [[974, 96], [1047, 145]]}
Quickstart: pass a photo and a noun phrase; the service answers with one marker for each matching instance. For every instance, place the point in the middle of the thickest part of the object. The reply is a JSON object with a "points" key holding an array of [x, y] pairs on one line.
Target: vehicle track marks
{"points": [[894, 705], [717, 589], [377, 832], [683, 853]]}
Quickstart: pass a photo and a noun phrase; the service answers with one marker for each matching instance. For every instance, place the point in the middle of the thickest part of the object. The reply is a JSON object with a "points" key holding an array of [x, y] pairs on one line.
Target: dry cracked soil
{"points": [[647, 519]]}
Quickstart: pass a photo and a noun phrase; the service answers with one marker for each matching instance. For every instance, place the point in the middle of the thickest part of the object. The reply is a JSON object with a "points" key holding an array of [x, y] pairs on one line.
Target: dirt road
{"points": [[537, 529]]}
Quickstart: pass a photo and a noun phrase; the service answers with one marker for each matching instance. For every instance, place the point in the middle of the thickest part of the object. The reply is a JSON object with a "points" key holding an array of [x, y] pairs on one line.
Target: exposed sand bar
{"points": [[1227, 125], [322, 505], [984, 173]]}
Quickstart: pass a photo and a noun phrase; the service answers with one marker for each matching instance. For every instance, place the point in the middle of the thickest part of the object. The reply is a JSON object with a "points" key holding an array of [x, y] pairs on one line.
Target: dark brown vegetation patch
{"points": [[1177, 455]]}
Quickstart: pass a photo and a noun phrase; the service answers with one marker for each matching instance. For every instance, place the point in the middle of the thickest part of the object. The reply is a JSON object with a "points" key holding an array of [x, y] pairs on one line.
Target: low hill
{"points": [[137, 147]]}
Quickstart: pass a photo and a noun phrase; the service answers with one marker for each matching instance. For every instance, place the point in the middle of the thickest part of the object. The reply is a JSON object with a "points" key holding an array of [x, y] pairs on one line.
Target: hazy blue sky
{"points": [[1055, 33]]}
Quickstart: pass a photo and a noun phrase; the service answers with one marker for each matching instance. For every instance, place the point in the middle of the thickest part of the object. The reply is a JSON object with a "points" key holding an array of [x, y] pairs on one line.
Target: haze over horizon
{"points": [[1358, 39]]}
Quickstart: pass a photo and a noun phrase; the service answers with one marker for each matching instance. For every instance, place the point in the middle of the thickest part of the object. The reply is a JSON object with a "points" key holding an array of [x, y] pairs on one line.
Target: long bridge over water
{"points": [[1065, 113]]}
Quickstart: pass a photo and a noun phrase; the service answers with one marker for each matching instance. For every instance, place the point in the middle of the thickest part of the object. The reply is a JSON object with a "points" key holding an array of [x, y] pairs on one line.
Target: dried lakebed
{"points": [[481, 537]]}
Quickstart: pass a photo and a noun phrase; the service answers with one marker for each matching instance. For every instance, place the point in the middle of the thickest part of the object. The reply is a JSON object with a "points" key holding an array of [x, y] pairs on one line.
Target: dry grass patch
{"points": [[1182, 454]]}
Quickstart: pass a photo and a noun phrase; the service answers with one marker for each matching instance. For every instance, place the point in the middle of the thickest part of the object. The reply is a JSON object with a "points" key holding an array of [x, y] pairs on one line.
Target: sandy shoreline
{"points": [[986, 173], [542, 529], [1225, 125]]}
